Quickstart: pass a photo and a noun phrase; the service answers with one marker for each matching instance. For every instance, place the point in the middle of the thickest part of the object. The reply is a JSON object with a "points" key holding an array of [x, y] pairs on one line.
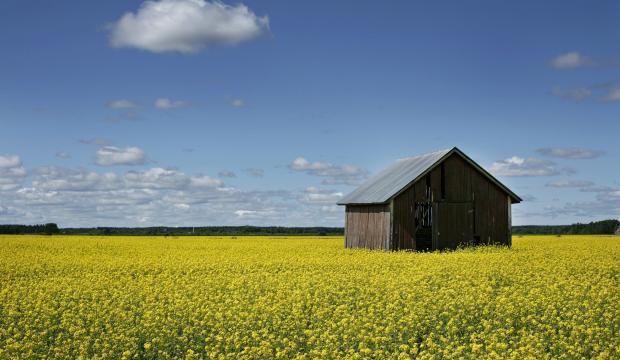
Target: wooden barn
{"points": [[433, 201]]}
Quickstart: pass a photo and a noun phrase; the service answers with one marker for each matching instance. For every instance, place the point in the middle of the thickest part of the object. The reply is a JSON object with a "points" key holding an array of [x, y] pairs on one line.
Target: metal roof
{"points": [[388, 183]]}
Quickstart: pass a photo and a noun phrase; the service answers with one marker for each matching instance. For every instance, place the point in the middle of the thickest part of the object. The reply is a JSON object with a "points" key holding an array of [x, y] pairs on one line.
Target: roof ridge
{"points": [[427, 154], [390, 181]]}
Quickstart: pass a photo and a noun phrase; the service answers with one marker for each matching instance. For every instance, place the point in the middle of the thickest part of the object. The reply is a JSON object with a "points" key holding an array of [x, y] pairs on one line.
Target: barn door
{"points": [[453, 224]]}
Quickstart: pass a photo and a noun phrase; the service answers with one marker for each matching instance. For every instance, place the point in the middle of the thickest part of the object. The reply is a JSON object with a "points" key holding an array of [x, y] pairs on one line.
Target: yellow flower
{"points": [[304, 298]]}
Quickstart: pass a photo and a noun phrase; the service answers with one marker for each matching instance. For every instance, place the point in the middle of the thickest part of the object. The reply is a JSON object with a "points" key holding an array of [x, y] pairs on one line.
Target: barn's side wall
{"points": [[367, 226], [490, 203], [463, 183], [403, 227]]}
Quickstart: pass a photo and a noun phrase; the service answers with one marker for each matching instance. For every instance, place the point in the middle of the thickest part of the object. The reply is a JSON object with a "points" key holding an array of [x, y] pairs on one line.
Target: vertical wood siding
{"points": [[455, 224], [485, 212], [403, 222], [367, 226], [490, 203]]}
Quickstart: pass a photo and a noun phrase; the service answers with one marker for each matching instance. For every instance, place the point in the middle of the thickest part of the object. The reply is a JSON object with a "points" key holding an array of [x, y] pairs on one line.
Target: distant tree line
{"points": [[206, 231], [596, 227], [45, 229]]}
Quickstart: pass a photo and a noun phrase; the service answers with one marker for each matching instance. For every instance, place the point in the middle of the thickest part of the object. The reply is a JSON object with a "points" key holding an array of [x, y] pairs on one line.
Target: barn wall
{"points": [[488, 216], [453, 223], [490, 203], [403, 224], [367, 226]]}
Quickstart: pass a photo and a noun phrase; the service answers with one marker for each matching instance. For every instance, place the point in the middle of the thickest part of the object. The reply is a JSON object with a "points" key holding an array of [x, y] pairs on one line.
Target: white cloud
{"points": [[122, 104], [517, 166], [314, 195], [12, 172], [606, 204], [613, 94], [153, 196], [205, 182], [9, 161], [571, 153], [242, 213], [164, 103], [570, 184], [63, 179], [333, 174], [257, 214], [111, 155], [186, 26], [237, 103], [569, 60], [577, 94], [52, 178], [157, 178], [332, 208]]}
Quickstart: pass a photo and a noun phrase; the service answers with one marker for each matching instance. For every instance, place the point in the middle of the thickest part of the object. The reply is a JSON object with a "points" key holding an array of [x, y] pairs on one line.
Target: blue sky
{"points": [[188, 112]]}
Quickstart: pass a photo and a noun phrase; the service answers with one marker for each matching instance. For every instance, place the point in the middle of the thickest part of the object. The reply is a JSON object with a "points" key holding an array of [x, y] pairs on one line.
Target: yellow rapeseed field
{"points": [[261, 298]]}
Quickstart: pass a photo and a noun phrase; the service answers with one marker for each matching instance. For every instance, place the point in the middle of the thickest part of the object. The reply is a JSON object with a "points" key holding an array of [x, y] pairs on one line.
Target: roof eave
{"points": [[363, 203]]}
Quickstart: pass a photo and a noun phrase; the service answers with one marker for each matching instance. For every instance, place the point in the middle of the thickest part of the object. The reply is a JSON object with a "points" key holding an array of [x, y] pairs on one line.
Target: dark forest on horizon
{"points": [[604, 227]]}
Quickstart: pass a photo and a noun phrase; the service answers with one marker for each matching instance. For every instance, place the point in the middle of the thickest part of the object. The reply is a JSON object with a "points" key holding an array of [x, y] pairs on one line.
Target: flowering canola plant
{"points": [[306, 298]]}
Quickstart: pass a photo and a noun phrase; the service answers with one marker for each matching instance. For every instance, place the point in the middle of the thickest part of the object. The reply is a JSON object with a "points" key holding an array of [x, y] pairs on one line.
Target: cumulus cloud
{"points": [[605, 204], [63, 179], [254, 172], [517, 166], [613, 94], [333, 174], [227, 174], [122, 104], [576, 94], [313, 195], [52, 178], [157, 196], [12, 172], [157, 178], [154, 196], [570, 184], [186, 26], [242, 213], [9, 161], [204, 182], [332, 209], [571, 153], [569, 60], [164, 103], [111, 155]]}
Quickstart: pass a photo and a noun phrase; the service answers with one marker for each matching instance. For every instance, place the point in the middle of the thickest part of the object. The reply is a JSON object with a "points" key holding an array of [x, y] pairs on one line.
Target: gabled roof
{"points": [[388, 183]]}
